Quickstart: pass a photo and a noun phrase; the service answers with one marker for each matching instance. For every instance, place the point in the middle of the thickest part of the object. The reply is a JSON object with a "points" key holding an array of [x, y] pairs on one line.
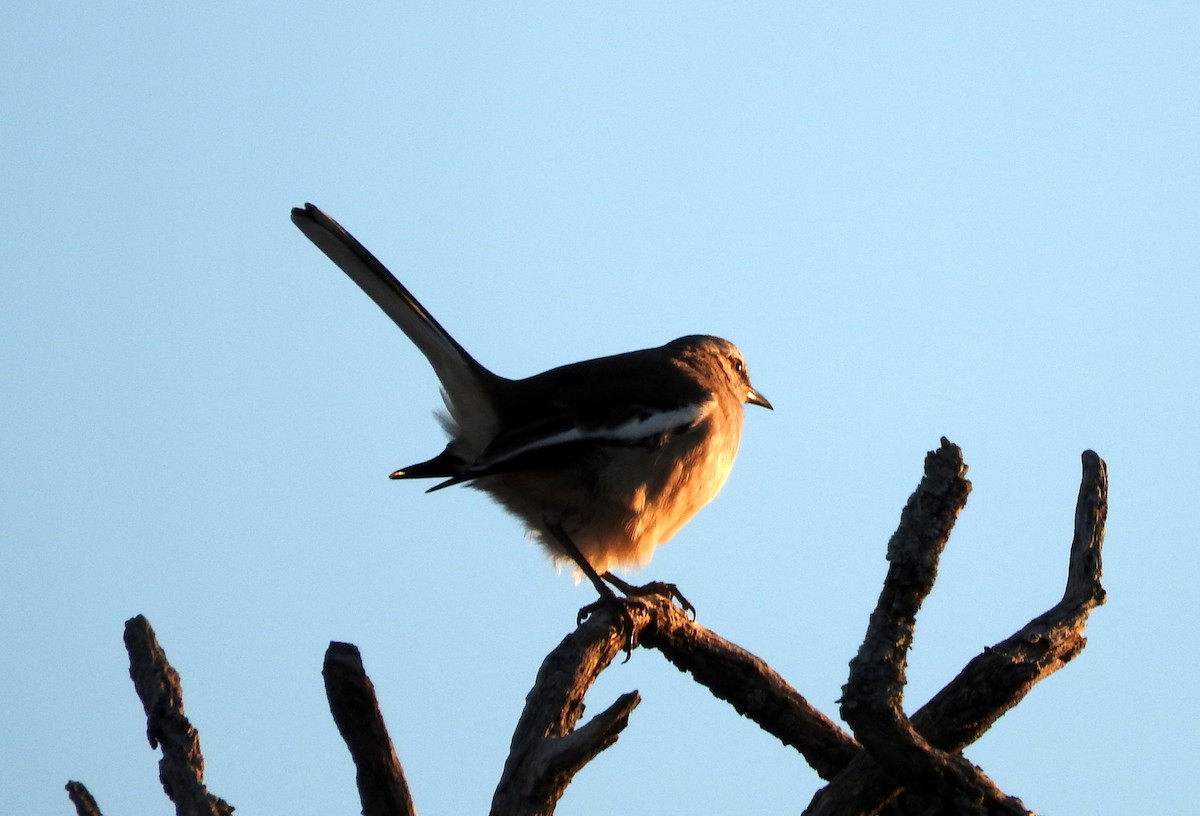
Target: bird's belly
{"points": [[634, 500]]}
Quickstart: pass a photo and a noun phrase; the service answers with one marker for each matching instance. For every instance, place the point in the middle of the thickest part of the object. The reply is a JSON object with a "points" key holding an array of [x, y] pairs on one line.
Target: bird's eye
{"points": [[739, 366]]}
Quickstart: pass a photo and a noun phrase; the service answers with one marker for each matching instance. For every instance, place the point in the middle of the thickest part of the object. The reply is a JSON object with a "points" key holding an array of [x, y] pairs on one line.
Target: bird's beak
{"points": [[755, 398]]}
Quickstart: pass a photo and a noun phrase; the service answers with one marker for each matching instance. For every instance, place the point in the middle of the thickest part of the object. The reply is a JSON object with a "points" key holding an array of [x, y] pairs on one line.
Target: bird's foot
{"points": [[622, 610], [668, 590]]}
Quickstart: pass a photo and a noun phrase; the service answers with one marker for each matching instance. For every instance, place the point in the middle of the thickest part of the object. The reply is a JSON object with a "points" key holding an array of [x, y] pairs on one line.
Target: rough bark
{"points": [[897, 765], [382, 788], [181, 769], [873, 698], [85, 805], [547, 749], [1001, 675], [754, 689]]}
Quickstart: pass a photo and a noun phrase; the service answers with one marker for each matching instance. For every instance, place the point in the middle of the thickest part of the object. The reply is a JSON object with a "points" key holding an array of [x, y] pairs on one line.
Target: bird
{"points": [[602, 460]]}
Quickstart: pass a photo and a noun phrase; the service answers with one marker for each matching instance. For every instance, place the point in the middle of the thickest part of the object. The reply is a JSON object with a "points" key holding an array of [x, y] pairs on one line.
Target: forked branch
{"points": [[898, 764], [1001, 675]]}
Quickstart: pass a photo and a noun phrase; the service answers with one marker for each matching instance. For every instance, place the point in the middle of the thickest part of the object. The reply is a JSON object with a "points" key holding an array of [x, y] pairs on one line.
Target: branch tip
{"points": [[85, 804]]}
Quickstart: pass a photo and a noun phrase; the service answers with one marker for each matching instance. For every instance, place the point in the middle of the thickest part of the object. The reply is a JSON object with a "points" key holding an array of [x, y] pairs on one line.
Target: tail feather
{"points": [[466, 383]]}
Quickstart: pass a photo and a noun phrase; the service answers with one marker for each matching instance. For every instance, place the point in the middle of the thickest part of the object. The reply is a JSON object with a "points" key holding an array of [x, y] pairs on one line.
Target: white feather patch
{"points": [[631, 430]]}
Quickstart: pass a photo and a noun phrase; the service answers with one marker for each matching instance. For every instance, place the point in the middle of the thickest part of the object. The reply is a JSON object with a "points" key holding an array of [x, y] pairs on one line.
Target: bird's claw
{"points": [[623, 606], [670, 591], [625, 624], [663, 588]]}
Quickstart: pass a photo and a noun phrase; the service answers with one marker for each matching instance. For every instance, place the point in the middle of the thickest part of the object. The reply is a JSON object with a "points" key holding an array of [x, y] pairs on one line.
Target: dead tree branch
{"points": [[382, 787], [754, 689], [898, 765], [181, 769], [547, 750], [85, 805], [873, 698], [998, 678]]}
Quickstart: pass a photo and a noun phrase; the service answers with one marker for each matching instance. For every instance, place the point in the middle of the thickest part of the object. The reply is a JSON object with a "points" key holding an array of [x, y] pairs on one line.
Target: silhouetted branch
{"points": [[382, 788], [85, 805], [873, 698], [1000, 677], [754, 689], [181, 768], [902, 766], [547, 750]]}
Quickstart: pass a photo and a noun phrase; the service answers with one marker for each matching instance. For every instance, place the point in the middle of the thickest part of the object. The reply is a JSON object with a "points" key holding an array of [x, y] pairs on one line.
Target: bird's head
{"points": [[721, 362]]}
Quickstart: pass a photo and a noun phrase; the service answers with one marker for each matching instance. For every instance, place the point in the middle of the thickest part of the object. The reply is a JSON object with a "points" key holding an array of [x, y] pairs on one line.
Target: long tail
{"points": [[468, 385]]}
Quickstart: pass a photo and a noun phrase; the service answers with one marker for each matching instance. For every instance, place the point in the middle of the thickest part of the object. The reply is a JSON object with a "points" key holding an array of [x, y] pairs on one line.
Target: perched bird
{"points": [[602, 460]]}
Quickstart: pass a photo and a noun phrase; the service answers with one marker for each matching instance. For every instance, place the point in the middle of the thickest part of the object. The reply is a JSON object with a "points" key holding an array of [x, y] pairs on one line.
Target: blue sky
{"points": [[971, 220]]}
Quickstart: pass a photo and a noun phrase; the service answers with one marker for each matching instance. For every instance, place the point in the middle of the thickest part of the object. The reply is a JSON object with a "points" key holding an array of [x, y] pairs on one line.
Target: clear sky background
{"points": [[971, 220]]}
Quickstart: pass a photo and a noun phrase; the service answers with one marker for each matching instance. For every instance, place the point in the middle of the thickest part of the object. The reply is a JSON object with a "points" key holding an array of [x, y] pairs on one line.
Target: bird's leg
{"points": [[607, 596], [652, 588], [571, 551]]}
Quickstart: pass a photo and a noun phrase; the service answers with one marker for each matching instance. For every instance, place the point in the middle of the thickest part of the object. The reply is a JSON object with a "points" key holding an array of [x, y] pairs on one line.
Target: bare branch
{"points": [[753, 688], [571, 752], [547, 750], [902, 766], [382, 788], [1084, 592], [872, 700], [1000, 677], [181, 769], [85, 805], [545, 753]]}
